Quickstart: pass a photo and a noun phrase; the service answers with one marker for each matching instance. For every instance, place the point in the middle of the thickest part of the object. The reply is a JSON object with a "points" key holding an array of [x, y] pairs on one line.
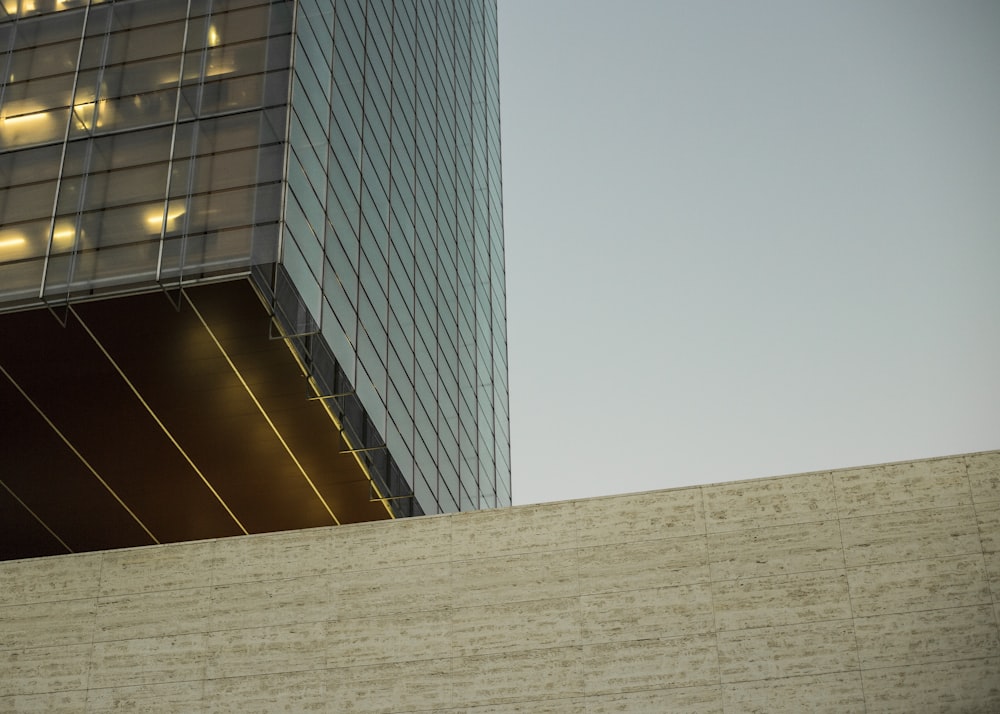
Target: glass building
{"points": [[293, 206]]}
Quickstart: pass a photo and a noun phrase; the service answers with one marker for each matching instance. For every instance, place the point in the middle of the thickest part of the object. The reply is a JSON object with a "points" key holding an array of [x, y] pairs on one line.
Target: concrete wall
{"points": [[872, 589]]}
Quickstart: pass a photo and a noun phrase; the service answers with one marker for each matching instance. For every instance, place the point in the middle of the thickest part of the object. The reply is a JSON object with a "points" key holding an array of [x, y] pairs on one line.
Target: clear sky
{"points": [[748, 238]]}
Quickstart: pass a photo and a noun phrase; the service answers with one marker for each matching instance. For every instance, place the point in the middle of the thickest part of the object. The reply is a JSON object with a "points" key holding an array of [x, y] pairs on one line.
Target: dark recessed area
{"points": [[162, 418]]}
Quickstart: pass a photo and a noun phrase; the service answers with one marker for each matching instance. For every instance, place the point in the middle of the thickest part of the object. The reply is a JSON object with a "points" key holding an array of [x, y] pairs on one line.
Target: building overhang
{"points": [[164, 417]]}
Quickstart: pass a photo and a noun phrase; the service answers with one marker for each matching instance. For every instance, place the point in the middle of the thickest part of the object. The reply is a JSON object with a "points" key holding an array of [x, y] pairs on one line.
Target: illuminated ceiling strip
{"points": [[36, 517], [260, 407], [336, 422], [84, 461], [162, 426], [384, 500]]}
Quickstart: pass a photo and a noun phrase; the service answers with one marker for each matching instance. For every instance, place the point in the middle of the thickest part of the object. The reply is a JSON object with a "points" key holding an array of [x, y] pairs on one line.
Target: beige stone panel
{"points": [[390, 591], [614, 667], [908, 535], [166, 698], [769, 502], [772, 551], [388, 638], [40, 670], [648, 564], [505, 627], [422, 685], [154, 660], [910, 486], [273, 602], [988, 520], [290, 692], [647, 614], [391, 544], [46, 624], [273, 556], [993, 573], [918, 585], [787, 651], [527, 675], [781, 600], [837, 693], [927, 636], [72, 702], [640, 516], [62, 577], [984, 476], [177, 566], [511, 531], [680, 700], [961, 686], [152, 614], [265, 650], [514, 578]]}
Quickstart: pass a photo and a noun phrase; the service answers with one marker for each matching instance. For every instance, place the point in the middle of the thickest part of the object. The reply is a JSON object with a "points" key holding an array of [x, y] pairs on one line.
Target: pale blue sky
{"points": [[747, 239]]}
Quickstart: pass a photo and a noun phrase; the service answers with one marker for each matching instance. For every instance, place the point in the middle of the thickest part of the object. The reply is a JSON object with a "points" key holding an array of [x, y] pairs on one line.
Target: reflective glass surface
{"points": [[346, 153], [393, 234], [141, 143]]}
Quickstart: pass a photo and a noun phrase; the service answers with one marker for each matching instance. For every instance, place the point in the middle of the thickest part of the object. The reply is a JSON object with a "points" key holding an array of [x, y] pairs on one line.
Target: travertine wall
{"points": [[872, 589]]}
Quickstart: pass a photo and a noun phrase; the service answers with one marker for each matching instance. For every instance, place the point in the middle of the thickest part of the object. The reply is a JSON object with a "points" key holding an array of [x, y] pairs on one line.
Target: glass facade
{"points": [[343, 154], [138, 147]]}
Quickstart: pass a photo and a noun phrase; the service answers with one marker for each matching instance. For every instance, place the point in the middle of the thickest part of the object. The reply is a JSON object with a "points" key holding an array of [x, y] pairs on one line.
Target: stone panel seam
{"points": [[776, 678], [948, 556], [994, 587], [850, 597], [711, 596], [968, 475], [93, 627], [790, 524], [787, 573], [931, 662]]}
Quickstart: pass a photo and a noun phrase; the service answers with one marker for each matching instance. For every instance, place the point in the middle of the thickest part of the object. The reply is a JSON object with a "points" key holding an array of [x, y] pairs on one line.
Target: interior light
{"points": [[84, 112], [12, 241], [155, 219], [214, 70], [63, 236], [213, 36]]}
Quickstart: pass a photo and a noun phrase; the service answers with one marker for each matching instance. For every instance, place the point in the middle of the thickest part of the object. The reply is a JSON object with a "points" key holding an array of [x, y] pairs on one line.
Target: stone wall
{"points": [[873, 589]]}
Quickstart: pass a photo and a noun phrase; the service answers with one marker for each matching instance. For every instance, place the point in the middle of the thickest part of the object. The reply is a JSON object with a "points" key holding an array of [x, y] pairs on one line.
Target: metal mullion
{"points": [[356, 339], [9, 52], [330, 127], [283, 198], [170, 155], [192, 160], [413, 248], [85, 177], [62, 164]]}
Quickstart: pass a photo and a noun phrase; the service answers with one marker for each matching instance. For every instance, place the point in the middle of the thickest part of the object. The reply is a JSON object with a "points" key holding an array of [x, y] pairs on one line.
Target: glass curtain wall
{"points": [[140, 142], [394, 238], [152, 143]]}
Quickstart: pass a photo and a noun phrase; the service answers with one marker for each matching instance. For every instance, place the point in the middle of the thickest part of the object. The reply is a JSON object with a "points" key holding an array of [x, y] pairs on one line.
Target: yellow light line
{"points": [[340, 428], [84, 461], [354, 452], [36, 517], [260, 407], [162, 426]]}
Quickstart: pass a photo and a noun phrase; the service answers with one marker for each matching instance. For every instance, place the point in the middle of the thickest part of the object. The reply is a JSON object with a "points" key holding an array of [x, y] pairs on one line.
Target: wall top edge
{"points": [[397, 523]]}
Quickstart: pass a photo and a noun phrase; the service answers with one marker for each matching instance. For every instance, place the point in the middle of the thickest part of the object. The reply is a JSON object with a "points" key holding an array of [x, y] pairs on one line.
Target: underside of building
{"points": [[140, 420]]}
